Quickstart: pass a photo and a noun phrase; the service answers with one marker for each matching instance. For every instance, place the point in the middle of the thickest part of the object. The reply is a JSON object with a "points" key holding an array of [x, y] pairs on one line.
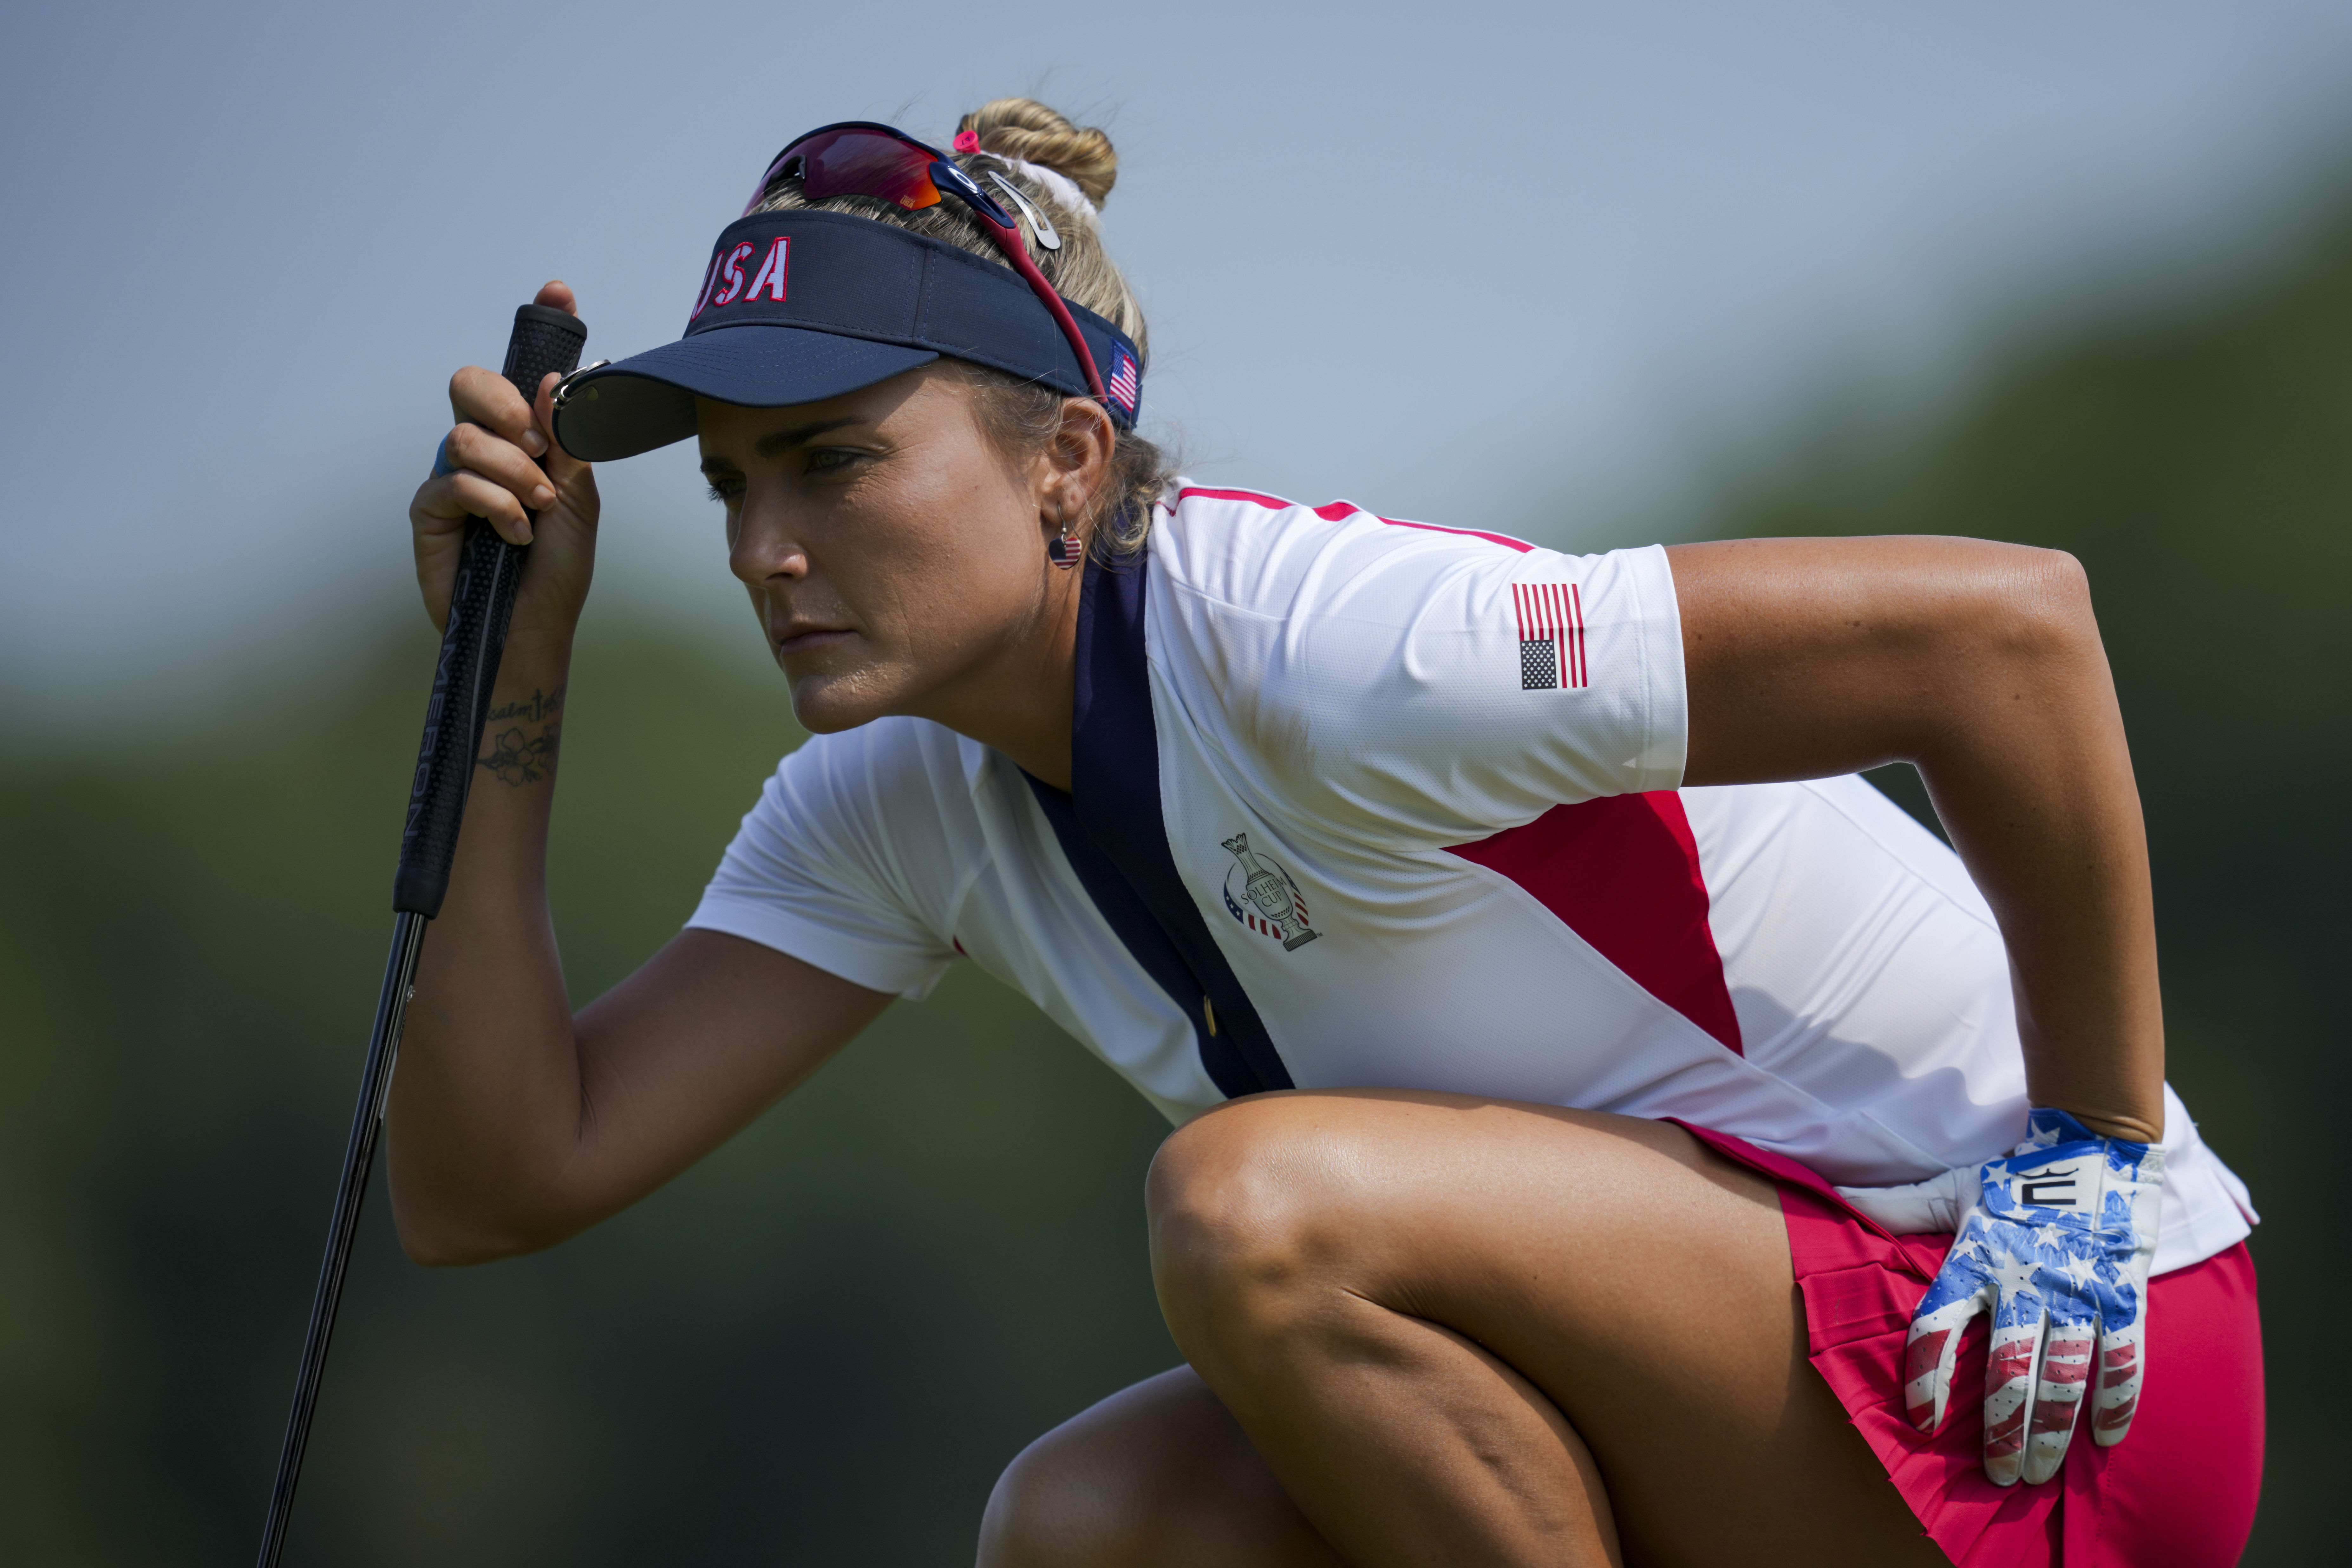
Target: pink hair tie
{"points": [[966, 141]]}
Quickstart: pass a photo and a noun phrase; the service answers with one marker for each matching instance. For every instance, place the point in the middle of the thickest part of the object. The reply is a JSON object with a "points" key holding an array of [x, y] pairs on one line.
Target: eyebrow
{"points": [[776, 441]]}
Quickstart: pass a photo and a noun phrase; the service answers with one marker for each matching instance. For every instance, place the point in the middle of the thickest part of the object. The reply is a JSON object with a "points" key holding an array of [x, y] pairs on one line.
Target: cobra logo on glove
{"points": [[2055, 1242]]}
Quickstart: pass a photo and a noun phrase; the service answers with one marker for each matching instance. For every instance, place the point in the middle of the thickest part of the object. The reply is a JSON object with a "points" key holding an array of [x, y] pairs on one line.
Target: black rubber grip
{"points": [[543, 339]]}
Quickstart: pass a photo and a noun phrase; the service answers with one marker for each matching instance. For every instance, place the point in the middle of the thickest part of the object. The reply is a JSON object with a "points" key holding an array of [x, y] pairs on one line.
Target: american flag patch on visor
{"points": [[1124, 386], [1551, 636]]}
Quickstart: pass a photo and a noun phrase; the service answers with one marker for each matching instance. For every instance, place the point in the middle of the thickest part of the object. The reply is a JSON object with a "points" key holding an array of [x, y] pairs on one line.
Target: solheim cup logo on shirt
{"points": [[1551, 636], [1275, 907]]}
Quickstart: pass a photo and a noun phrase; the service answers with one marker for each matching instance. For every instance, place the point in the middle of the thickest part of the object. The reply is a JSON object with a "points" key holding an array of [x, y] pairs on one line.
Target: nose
{"points": [[763, 550]]}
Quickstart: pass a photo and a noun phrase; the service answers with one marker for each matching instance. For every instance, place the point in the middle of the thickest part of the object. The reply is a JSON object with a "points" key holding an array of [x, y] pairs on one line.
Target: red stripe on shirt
{"points": [[1622, 872], [1275, 502], [1332, 511], [1505, 539]]}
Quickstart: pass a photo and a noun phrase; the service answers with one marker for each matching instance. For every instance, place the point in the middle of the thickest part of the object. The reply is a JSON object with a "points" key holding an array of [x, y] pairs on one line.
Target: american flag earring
{"points": [[1063, 552]]}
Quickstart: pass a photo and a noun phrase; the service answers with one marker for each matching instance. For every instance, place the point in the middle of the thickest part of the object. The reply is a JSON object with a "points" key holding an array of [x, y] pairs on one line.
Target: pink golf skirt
{"points": [[2179, 1491]]}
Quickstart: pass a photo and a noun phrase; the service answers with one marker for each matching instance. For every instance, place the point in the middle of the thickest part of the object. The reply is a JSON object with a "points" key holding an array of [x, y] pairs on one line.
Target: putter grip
{"points": [[544, 339]]}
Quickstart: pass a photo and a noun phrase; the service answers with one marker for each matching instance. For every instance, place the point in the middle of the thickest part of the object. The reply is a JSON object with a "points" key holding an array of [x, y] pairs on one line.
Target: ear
{"points": [[1079, 457]]}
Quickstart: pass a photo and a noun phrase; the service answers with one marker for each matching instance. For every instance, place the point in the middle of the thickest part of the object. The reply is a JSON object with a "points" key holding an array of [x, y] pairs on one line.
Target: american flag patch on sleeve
{"points": [[1551, 636]]}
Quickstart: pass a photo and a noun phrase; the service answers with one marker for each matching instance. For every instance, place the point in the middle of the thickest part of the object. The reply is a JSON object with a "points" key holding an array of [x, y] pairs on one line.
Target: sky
{"points": [[1524, 267]]}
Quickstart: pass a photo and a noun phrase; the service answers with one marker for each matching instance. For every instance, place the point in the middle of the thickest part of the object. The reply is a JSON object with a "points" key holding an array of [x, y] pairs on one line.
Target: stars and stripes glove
{"points": [[2054, 1241]]}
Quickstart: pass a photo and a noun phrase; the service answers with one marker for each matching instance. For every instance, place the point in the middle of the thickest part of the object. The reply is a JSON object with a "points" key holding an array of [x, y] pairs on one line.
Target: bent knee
{"points": [[1158, 1476], [1067, 1501], [1249, 1200]]}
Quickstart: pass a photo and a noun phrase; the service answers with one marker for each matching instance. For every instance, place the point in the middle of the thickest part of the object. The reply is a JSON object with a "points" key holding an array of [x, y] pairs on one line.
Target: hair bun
{"points": [[1025, 129]]}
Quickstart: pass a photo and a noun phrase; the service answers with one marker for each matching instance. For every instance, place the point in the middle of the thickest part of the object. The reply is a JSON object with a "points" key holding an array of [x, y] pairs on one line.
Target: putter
{"points": [[479, 609]]}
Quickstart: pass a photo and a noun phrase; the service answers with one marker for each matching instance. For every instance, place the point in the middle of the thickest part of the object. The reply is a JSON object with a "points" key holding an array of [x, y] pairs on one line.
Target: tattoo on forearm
{"points": [[539, 705], [515, 756]]}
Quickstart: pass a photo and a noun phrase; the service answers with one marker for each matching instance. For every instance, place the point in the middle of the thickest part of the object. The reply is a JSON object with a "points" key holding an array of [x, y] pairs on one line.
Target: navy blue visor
{"points": [[802, 305]]}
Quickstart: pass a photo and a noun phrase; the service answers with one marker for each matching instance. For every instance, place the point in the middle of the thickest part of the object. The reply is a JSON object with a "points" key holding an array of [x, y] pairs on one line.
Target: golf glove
{"points": [[2054, 1241]]}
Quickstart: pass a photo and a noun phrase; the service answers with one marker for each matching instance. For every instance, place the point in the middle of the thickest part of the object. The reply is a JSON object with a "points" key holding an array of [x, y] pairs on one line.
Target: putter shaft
{"points": [[481, 603], [359, 1160]]}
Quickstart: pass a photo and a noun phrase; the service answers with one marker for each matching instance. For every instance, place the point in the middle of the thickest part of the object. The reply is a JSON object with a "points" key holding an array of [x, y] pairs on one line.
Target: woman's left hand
{"points": [[501, 463], [2055, 1241]]}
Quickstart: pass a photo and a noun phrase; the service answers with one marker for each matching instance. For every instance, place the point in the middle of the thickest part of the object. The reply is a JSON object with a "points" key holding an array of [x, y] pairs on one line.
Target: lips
{"points": [[803, 637]]}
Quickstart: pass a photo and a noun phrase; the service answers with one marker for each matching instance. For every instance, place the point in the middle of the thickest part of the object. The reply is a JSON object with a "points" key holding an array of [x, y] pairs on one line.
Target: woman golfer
{"points": [[1607, 1130]]}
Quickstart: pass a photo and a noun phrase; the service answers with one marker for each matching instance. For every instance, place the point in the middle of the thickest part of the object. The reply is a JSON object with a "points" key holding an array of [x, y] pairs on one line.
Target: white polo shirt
{"points": [[1359, 803]]}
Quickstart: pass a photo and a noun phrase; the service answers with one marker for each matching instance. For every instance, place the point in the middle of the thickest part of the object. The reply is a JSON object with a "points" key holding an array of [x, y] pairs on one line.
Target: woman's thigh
{"points": [[1513, 1333]]}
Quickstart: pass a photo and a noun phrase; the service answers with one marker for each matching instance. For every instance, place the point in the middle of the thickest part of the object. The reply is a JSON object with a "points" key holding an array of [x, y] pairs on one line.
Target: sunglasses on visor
{"points": [[858, 158]]}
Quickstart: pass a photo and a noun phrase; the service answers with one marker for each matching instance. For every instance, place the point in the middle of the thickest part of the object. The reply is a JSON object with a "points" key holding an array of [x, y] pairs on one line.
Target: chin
{"points": [[827, 703]]}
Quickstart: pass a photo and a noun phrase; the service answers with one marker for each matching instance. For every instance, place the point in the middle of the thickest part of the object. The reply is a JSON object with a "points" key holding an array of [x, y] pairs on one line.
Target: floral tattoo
{"points": [[515, 756]]}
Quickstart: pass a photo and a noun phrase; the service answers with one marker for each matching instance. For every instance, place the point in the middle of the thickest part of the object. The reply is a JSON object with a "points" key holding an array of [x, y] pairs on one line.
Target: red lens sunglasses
{"points": [[859, 158]]}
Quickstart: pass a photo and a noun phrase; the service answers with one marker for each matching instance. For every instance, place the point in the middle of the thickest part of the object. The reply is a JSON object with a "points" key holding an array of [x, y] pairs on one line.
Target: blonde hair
{"points": [[1025, 416]]}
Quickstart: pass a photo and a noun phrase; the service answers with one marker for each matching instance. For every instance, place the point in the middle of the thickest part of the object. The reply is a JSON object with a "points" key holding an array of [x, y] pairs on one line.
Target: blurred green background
{"points": [[822, 1344]]}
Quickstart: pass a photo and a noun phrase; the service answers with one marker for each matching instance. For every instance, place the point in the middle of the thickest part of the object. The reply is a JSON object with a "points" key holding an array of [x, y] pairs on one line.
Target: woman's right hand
{"points": [[506, 460]]}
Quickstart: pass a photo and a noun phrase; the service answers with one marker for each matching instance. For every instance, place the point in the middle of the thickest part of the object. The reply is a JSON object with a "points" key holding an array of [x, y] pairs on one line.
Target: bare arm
{"points": [[513, 1124], [1981, 664]]}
